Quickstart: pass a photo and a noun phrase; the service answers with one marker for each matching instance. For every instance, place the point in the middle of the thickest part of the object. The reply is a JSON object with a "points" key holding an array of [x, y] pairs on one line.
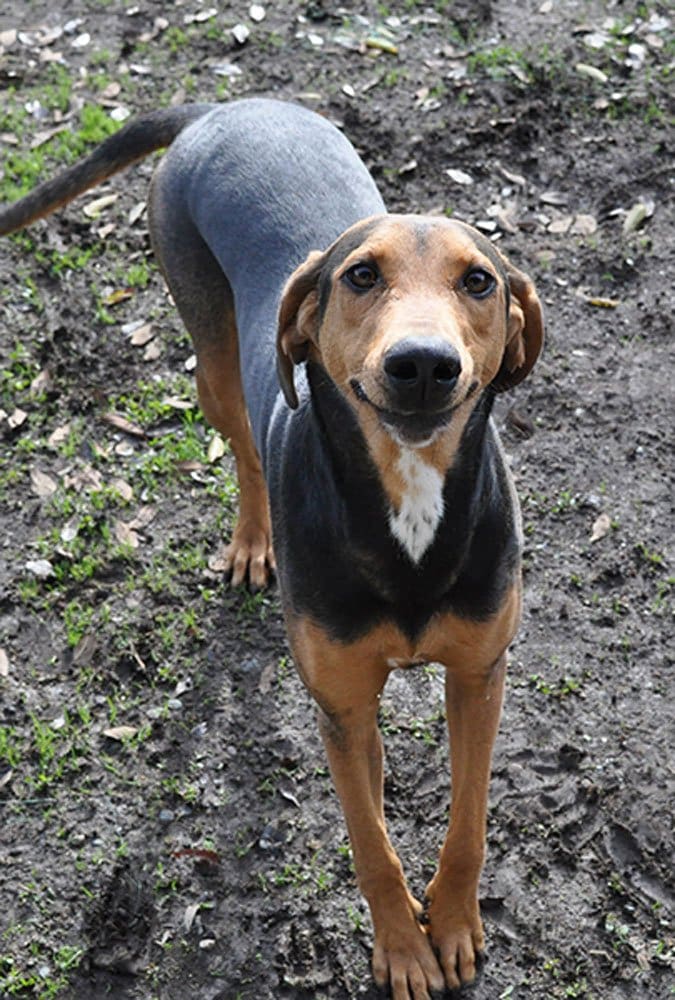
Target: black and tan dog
{"points": [[395, 524]]}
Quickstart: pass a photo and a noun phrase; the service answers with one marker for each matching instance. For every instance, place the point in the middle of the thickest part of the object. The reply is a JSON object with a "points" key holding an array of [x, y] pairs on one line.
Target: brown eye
{"points": [[361, 277], [478, 282]]}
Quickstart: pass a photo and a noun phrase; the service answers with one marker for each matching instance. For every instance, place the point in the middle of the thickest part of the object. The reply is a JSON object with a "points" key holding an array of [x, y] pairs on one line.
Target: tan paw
{"points": [[404, 961], [456, 933], [248, 558]]}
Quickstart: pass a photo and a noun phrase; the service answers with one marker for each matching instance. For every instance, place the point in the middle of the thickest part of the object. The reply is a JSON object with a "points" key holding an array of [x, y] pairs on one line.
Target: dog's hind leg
{"points": [[204, 300]]}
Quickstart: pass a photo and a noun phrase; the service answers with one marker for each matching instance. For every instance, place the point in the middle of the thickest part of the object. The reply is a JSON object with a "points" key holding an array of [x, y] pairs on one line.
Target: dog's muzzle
{"points": [[419, 382], [421, 375]]}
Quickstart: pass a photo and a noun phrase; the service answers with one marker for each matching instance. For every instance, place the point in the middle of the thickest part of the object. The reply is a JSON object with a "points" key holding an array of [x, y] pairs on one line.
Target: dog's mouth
{"points": [[417, 428]]}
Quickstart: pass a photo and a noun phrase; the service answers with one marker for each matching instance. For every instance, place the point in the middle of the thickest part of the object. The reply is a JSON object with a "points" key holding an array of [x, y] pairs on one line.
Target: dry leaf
{"points": [[520, 422], [98, 451], [41, 381], [584, 225], [519, 72], [42, 484], [122, 424], [69, 532], [216, 448], [122, 488], [125, 534], [381, 44], [50, 55], [86, 478], [601, 526], [118, 295], [40, 138], [553, 198], [17, 418], [143, 517], [120, 733], [203, 15], [188, 465], [94, 208], [112, 90], [583, 69], [136, 212], [177, 404], [85, 649], [152, 351], [561, 225], [142, 334], [408, 168], [218, 562], [504, 218], [40, 567], [267, 677], [191, 912], [289, 797], [637, 215], [517, 179], [459, 177]]}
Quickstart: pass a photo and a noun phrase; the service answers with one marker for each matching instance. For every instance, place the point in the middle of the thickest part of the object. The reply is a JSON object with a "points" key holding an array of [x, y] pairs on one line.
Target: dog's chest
{"points": [[420, 511]]}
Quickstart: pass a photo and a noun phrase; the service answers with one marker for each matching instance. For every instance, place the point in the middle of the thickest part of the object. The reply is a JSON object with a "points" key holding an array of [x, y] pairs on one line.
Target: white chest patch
{"points": [[415, 523]]}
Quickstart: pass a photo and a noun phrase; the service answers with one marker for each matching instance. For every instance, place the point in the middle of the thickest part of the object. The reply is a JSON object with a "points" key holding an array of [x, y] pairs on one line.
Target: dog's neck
{"points": [[416, 485]]}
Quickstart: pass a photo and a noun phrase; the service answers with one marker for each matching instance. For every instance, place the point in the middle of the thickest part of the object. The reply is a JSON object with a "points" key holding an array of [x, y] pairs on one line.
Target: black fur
{"points": [[340, 563]]}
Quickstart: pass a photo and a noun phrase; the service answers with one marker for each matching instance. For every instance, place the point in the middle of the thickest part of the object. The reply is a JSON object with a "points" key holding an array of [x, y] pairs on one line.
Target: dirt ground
{"points": [[167, 826]]}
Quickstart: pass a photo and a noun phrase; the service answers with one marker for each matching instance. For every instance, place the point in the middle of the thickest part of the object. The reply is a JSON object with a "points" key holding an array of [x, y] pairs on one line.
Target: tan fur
{"points": [[421, 295], [346, 680]]}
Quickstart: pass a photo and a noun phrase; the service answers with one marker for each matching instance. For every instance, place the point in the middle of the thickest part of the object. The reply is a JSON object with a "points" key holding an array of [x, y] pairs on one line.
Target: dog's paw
{"points": [[403, 961], [248, 559], [456, 933]]}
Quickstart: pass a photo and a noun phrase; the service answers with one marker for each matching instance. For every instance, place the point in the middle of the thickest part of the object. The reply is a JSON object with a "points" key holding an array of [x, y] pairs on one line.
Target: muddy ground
{"points": [[167, 825]]}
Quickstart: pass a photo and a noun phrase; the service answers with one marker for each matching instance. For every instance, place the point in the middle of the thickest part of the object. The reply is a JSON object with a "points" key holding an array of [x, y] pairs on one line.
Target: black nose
{"points": [[421, 373]]}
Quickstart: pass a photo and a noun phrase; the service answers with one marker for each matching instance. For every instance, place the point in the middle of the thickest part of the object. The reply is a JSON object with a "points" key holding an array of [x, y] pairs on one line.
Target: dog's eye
{"points": [[361, 277], [478, 282]]}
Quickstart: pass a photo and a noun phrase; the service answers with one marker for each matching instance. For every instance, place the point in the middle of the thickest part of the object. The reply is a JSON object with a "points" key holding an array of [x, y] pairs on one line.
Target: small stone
{"points": [[40, 567], [241, 33], [166, 816]]}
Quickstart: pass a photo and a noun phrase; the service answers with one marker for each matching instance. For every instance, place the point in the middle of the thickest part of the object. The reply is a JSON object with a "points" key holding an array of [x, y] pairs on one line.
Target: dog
{"points": [[352, 358]]}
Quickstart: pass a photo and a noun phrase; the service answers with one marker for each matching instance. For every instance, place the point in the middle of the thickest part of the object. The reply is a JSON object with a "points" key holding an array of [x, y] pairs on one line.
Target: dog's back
{"points": [[264, 183]]}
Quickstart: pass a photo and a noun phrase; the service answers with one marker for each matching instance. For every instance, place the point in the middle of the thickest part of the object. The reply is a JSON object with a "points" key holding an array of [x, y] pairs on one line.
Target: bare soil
{"points": [[202, 854]]}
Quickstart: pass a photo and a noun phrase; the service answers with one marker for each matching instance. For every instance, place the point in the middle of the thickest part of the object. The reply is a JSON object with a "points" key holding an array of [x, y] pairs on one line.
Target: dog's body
{"points": [[396, 528]]}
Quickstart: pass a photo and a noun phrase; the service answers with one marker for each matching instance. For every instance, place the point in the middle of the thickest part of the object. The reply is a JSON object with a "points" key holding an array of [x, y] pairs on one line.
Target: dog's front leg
{"points": [[401, 956], [346, 681], [473, 706]]}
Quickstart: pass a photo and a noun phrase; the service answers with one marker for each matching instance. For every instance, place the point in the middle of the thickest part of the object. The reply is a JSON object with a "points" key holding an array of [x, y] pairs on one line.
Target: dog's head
{"points": [[410, 317]]}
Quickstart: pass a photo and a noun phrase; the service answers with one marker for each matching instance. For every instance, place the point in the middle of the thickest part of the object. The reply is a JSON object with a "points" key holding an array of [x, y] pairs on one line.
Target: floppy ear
{"points": [[524, 333], [298, 322]]}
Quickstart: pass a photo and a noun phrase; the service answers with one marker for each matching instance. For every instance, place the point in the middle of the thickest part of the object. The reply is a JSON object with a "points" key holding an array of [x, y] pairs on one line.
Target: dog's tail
{"points": [[133, 142]]}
